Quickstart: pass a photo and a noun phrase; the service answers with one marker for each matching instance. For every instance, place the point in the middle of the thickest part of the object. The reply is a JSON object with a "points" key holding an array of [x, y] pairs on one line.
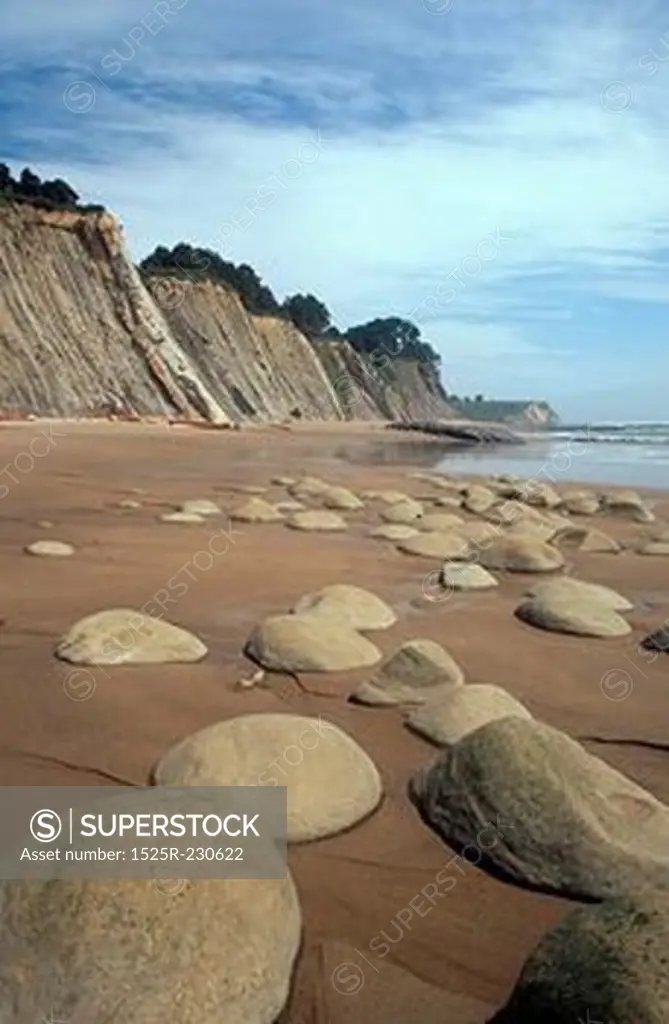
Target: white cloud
{"points": [[379, 220]]}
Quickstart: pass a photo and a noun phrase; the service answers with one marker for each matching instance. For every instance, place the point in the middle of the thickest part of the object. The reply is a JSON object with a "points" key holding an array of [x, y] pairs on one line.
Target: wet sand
{"points": [[59, 728]]}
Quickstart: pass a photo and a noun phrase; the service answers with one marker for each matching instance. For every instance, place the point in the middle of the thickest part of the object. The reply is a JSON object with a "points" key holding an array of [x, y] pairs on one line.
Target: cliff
{"points": [[82, 335], [522, 414], [259, 367], [79, 335]]}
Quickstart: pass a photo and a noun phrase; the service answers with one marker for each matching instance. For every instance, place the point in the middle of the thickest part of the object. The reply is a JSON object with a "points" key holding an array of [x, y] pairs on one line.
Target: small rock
{"points": [[581, 503], [655, 547], [256, 511], [479, 499], [410, 676], [129, 503], [332, 786], [341, 498], [50, 548], [45, 524], [355, 607], [568, 586], [393, 531], [308, 487], [181, 517], [436, 545], [200, 507], [445, 501], [309, 643], [402, 512], [124, 636], [466, 576], [563, 613], [438, 522], [316, 520], [521, 554], [657, 641], [289, 506], [453, 714], [284, 481]]}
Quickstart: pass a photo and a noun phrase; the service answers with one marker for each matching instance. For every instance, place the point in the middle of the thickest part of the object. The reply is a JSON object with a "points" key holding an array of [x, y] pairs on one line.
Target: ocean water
{"points": [[635, 454]]}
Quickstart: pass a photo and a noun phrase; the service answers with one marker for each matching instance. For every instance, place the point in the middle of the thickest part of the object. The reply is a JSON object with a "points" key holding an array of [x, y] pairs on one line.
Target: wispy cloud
{"points": [[436, 125]]}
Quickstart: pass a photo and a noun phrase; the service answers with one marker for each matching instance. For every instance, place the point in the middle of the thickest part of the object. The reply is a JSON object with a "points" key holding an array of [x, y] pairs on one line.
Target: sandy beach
{"points": [[459, 961]]}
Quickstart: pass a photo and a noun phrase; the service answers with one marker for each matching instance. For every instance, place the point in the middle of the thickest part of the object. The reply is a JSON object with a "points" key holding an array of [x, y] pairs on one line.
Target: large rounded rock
{"points": [[317, 520], [309, 643], [453, 714], [521, 554], [402, 512], [124, 636], [466, 576], [200, 507], [123, 949], [341, 498], [393, 531], [563, 820], [50, 549], [439, 522], [567, 586], [573, 614], [436, 545], [256, 511], [331, 781], [605, 963], [355, 607], [532, 529], [410, 676]]}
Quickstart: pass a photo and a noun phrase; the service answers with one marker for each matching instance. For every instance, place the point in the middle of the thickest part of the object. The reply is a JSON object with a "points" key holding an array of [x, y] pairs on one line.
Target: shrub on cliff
{"points": [[196, 264], [30, 188]]}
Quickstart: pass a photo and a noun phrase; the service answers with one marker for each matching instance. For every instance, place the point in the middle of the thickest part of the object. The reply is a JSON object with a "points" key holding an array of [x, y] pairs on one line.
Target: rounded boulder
{"points": [[332, 783]]}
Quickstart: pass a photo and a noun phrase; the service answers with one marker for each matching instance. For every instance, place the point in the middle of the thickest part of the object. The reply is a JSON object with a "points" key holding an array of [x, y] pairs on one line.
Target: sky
{"points": [[496, 171]]}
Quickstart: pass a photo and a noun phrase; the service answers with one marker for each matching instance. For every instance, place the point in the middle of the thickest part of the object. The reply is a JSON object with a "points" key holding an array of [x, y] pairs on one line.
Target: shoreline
{"points": [[467, 952]]}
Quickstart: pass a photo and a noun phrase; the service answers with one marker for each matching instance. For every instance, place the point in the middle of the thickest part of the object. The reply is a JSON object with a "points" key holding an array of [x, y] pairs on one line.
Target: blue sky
{"points": [[496, 171]]}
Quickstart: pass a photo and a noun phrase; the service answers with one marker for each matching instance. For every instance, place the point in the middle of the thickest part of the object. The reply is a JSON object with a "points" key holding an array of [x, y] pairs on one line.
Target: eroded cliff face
{"points": [[373, 387], [81, 335], [258, 367]]}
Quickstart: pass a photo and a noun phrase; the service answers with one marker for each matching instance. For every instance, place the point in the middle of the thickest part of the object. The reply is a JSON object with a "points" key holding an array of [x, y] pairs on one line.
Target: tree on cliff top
{"points": [[196, 264], [309, 314], [30, 187], [396, 337]]}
